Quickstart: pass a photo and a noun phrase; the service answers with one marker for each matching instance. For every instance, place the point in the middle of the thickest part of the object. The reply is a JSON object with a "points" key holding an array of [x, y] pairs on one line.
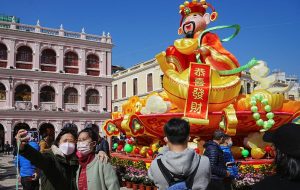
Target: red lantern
{"points": [[197, 150], [136, 150], [120, 147], [268, 149], [150, 152]]}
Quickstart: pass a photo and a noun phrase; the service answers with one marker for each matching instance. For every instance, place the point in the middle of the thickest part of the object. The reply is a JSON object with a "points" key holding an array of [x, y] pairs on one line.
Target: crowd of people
{"points": [[68, 162], [78, 160], [178, 167]]}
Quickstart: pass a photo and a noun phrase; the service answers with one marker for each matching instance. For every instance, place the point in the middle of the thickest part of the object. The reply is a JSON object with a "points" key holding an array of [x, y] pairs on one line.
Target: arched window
{"points": [[24, 54], [2, 137], [71, 96], [3, 55], [115, 108], [3, 52], [71, 63], [48, 60], [92, 65], [24, 58], [23, 93], [92, 61], [47, 94], [2, 92], [71, 59], [149, 83], [92, 96], [48, 57]]}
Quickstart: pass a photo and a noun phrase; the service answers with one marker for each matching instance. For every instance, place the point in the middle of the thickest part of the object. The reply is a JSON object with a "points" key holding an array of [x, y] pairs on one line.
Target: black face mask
{"points": [[189, 34]]}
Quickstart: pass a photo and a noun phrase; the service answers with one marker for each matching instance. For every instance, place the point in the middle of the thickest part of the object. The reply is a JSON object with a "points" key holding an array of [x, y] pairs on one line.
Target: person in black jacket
{"points": [[58, 165], [218, 166], [287, 161], [102, 145]]}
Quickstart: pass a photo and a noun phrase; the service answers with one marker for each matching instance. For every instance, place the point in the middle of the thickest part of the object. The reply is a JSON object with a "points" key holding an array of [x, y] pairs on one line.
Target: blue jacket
{"points": [[25, 166], [216, 158], [228, 157]]}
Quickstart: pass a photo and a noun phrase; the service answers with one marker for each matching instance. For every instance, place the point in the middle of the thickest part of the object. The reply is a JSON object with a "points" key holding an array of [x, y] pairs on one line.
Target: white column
{"points": [[103, 64], [82, 97], [60, 59], [60, 92], [82, 66], [108, 64], [11, 54], [8, 131], [35, 93], [34, 124], [10, 95], [101, 105], [36, 57], [108, 98], [103, 92]]}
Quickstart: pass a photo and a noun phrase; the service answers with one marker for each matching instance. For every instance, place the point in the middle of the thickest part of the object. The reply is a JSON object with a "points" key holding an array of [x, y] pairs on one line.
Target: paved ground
{"points": [[8, 173]]}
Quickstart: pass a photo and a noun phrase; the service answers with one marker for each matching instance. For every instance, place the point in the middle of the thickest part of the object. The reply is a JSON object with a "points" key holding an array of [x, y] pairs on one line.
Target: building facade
{"points": [[146, 77], [51, 77], [139, 80]]}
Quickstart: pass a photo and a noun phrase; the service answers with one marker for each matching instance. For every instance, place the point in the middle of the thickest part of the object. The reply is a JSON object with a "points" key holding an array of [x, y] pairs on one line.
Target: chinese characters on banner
{"points": [[199, 88]]}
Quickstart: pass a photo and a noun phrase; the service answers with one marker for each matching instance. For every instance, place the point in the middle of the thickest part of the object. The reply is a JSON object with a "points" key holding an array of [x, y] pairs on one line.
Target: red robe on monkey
{"points": [[194, 21]]}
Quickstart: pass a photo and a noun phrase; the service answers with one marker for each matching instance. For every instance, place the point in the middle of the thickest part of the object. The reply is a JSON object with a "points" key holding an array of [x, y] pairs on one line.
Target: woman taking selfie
{"points": [[58, 165]]}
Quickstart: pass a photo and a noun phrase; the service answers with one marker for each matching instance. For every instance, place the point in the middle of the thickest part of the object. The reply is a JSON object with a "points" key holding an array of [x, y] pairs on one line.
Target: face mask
{"points": [[229, 144], [84, 148], [67, 148]]}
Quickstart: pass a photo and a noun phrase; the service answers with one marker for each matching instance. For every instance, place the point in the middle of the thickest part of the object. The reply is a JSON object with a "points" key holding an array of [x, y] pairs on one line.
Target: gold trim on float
{"points": [[196, 121], [172, 59]]}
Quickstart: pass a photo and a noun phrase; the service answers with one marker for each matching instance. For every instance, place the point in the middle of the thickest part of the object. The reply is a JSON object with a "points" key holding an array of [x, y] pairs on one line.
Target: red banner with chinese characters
{"points": [[196, 106]]}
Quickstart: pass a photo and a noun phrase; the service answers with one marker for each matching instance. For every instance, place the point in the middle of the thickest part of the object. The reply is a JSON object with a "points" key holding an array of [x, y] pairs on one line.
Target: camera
{"points": [[33, 136]]}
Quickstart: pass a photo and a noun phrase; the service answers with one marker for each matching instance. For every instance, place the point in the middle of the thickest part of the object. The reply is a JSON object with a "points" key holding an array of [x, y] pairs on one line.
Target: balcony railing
{"points": [[23, 105], [48, 106], [55, 32], [93, 107], [71, 107]]}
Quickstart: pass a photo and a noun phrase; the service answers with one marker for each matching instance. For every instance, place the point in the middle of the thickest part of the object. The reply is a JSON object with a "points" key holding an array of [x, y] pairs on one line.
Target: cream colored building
{"points": [[139, 80]]}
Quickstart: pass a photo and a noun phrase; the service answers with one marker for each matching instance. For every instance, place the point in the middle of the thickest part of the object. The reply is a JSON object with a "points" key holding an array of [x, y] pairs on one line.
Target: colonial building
{"points": [[139, 80], [282, 79], [51, 77], [146, 77]]}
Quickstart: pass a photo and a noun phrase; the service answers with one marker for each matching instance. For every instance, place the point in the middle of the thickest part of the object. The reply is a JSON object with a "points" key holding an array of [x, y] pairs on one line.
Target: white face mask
{"points": [[67, 148], [84, 147]]}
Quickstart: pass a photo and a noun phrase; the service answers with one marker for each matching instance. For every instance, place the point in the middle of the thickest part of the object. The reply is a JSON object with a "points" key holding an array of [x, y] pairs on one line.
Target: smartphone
{"points": [[33, 136]]}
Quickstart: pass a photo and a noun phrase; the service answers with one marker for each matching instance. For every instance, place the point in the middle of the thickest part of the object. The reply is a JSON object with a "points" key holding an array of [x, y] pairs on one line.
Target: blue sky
{"points": [[270, 30]]}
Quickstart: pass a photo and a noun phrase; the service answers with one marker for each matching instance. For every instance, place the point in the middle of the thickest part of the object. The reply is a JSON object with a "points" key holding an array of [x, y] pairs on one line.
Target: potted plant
{"points": [[135, 184], [127, 178], [148, 183], [141, 184]]}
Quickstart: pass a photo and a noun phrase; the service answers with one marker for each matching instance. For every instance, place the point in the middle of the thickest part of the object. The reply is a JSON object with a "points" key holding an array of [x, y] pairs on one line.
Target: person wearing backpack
{"points": [[177, 166]]}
